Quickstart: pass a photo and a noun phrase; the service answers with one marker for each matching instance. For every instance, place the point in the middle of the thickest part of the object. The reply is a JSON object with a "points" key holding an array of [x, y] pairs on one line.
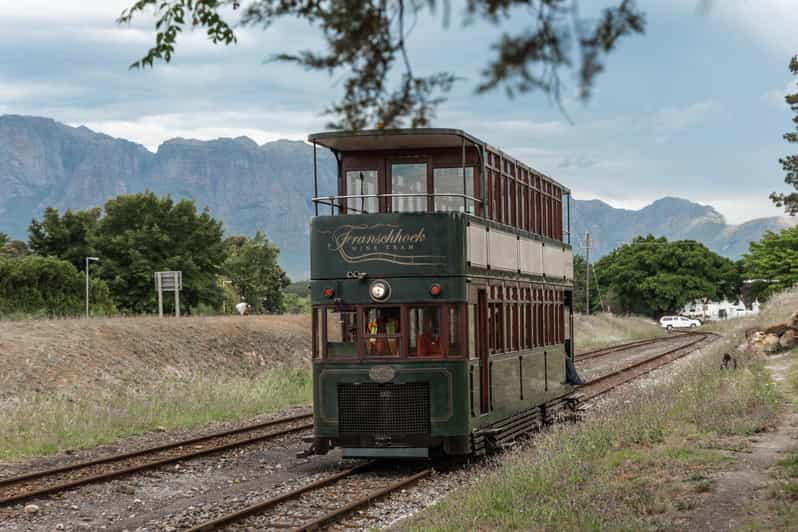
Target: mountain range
{"points": [[268, 187]]}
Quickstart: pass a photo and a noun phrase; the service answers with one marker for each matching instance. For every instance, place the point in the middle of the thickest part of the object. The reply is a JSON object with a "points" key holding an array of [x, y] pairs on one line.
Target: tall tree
{"points": [[652, 276], [143, 233], [366, 42], [252, 267], [773, 261], [66, 237], [790, 162]]}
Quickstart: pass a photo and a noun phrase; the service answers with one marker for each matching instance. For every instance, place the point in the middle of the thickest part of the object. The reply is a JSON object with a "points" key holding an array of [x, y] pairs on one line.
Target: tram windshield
{"points": [[381, 332]]}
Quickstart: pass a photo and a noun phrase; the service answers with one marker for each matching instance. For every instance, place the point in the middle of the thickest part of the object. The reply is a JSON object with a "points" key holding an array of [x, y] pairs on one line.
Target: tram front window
{"points": [[341, 333], [425, 331], [450, 181], [409, 179], [362, 183], [382, 331]]}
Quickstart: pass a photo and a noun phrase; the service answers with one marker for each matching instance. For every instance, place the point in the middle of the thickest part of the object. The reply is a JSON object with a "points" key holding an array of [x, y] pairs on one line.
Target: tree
{"points": [[66, 237], [15, 248], [3, 239], [367, 40], [773, 258], [252, 267], [652, 276], [141, 234], [790, 162]]}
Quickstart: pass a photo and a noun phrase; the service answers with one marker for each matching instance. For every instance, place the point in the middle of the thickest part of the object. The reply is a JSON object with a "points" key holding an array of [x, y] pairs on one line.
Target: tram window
{"points": [[472, 331], [454, 330], [382, 331], [450, 181], [341, 333], [409, 179], [361, 182], [425, 331]]}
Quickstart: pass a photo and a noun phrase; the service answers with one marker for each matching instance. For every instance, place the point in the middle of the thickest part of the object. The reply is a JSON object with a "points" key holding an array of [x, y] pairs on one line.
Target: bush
{"points": [[47, 286]]}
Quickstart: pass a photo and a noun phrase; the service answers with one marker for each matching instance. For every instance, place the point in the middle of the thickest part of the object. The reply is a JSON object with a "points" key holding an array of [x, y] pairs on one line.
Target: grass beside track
{"points": [[35, 424], [600, 330], [635, 466]]}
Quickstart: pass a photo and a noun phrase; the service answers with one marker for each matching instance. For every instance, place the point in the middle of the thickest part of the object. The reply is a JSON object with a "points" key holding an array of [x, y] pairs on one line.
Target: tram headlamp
{"points": [[379, 290]]}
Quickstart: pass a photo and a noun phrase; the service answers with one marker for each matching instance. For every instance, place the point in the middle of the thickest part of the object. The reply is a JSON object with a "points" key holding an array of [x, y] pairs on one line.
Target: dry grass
{"points": [[599, 330], [632, 466], [75, 357], [75, 383]]}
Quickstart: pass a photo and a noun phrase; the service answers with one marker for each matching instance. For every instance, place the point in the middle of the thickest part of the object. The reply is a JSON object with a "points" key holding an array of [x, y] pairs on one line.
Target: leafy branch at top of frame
{"points": [[367, 40]]}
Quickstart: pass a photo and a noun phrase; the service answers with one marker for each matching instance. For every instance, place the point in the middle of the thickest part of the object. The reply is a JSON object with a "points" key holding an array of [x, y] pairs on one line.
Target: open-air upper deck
{"points": [[435, 170]]}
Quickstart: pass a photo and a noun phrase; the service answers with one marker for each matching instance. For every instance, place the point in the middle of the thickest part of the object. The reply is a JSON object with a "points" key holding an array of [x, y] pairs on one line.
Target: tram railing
{"points": [[339, 202]]}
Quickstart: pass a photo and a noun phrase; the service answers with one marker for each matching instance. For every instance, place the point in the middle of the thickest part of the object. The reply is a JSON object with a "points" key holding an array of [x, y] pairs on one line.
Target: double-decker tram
{"points": [[441, 279]]}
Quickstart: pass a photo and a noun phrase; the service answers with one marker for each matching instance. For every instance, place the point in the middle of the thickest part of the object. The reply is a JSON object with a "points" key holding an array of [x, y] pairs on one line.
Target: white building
{"points": [[707, 310]]}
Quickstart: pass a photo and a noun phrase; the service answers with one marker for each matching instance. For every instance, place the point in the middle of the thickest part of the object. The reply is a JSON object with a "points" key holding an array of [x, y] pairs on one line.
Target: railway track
{"points": [[609, 381], [46, 482], [596, 353], [317, 504]]}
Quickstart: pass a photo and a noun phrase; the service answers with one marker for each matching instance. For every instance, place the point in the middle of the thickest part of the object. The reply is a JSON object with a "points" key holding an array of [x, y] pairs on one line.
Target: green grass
{"points": [[599, 330], [35, 425], [632, 468]]}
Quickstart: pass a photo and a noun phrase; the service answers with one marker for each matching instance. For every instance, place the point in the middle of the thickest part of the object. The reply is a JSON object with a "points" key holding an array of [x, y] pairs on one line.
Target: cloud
{"points": [[153, 130], [776, 97], [675, 119]]}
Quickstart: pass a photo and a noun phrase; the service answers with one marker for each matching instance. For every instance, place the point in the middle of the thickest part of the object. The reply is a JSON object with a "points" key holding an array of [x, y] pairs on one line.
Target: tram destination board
{"points": [[391, 244]]}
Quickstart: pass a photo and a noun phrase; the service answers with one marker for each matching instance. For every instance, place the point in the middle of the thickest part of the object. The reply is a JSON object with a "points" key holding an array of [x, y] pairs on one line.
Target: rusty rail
{"points": [[8, 484], [605, 383], [603, 351], [325, 519]]}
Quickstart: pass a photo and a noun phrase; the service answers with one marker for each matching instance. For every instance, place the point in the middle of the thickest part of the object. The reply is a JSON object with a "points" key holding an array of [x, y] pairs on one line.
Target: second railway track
{"points": [[45, 482]]}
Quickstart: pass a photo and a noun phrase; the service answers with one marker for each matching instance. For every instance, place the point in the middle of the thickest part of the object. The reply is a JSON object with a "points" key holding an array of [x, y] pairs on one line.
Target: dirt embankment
{"points": [[75, 357]]}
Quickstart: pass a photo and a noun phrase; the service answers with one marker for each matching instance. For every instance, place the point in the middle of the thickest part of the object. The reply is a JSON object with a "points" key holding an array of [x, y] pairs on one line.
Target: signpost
{"points": [[168, 282]]}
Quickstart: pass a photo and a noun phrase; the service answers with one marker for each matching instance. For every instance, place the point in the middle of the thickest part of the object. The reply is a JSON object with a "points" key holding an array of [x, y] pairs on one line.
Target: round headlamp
{"points": [[379, 290]]}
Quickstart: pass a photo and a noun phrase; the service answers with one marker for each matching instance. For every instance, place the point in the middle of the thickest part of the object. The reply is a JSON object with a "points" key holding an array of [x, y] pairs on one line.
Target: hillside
{"points": [[268, 187]]}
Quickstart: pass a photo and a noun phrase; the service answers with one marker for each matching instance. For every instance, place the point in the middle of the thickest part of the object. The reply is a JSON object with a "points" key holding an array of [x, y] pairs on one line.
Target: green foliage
{"points": [[652, 276], [774, 258], [47, 286], [295, 304], [3, 239], [790, 162], [66, 237], [366, 42], [252, 267], [299, 288], [141, 234]]}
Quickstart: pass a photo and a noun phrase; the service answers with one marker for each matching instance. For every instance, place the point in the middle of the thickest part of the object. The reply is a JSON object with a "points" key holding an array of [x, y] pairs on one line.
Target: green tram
{"points": [[441, 285]]}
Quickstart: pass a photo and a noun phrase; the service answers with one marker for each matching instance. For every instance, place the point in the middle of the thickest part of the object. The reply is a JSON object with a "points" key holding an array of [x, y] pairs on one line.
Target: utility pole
{"points": [[88, 259], [587, 273]]}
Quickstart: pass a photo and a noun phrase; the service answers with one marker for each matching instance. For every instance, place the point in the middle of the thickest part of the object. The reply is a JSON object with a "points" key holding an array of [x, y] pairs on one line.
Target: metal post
{"points": [[177, 302], [587, 273], [462, 166], [160, 294], [315, 180]]}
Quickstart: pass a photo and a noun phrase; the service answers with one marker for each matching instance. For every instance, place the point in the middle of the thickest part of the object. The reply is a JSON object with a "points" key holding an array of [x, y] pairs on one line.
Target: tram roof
{"points": [[406, 139]]}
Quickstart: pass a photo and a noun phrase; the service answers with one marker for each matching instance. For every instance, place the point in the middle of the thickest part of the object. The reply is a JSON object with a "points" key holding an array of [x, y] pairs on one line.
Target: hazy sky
{"points": [[694, 108]]}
